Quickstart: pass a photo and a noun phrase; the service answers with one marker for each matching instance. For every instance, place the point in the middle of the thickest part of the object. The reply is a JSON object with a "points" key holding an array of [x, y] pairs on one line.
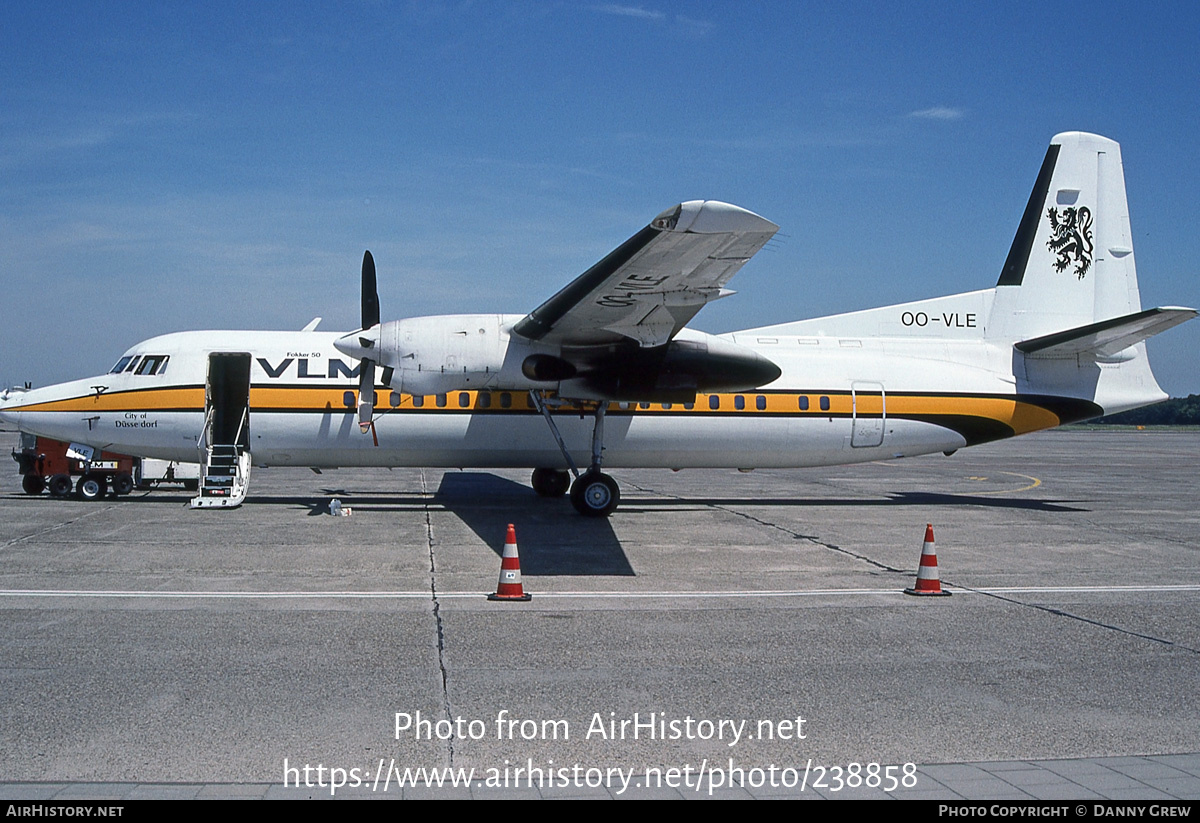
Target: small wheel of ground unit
{"points": [[91, 487], [61, 485]]}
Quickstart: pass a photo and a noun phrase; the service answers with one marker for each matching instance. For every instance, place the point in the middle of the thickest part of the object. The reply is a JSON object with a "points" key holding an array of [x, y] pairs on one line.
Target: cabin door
{"points": [[869, 414], [227, 399]]}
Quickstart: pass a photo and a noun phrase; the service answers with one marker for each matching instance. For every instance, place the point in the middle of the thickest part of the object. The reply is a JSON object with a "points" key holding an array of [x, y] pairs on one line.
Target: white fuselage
{"points": [[840, 399]]}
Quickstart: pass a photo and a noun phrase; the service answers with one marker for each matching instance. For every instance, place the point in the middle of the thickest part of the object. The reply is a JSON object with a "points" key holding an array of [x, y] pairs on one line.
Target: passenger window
{"points": [[739, 402], [760, 403], [824, 403], [689, 406], [440, 399], [464, 400], [804, 402], [714, 401], [505, 400], [348, 399], [485, 400], [418, 400], [643, 405], [666, 406], [394, 399]]}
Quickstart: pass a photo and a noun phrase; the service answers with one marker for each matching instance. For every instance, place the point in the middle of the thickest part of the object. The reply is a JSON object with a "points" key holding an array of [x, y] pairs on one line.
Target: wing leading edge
{"points": [[651, 286]]}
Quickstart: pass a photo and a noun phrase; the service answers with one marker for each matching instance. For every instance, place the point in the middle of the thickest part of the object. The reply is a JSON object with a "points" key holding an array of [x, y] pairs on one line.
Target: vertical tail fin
{"points": [[1071, 262]]}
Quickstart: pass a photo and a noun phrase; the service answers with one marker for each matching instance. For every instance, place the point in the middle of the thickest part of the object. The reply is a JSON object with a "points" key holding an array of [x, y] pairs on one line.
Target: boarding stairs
{"points": [[225, 473]]}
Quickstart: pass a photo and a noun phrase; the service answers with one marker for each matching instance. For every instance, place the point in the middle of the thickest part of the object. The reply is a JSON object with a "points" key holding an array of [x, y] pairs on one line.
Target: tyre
{"points": [[122, 484], [33, 483], [550, 482], [91, 487], [595, 494], [61, 485]]}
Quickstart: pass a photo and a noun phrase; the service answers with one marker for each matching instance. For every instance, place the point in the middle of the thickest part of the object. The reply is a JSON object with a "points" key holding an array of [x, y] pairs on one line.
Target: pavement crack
{"points": [[56, 527], [1057, 612], [437, 614], [816, 541]]}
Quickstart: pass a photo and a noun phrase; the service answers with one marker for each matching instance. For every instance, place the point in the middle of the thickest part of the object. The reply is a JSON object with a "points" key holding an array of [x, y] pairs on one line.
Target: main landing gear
{"points": [[594, 493]]}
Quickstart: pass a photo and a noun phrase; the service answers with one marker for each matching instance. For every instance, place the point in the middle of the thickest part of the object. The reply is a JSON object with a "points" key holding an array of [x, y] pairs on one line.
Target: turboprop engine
{"points": [[462, 352]]}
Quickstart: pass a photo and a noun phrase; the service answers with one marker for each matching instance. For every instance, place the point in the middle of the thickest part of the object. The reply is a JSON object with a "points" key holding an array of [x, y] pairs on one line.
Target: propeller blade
{"points": [[370, 293], [366, 395]]}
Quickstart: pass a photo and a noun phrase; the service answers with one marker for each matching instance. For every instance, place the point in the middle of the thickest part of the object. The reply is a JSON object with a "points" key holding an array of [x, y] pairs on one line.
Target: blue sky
{"points": [[169, 166]]}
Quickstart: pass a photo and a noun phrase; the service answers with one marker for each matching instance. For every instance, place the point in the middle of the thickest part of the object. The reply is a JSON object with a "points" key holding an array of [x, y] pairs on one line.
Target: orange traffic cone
{"points": [[509, 587], [928, 582]]}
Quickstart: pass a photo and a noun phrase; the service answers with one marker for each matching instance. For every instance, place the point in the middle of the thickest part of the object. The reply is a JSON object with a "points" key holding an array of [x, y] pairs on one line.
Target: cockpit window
{"points": [[153, 364], [133, 364], [121, 364]]}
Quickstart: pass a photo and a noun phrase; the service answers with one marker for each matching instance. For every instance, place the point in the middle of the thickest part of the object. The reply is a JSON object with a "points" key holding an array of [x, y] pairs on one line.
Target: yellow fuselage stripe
{"points": [[1021, 416]]}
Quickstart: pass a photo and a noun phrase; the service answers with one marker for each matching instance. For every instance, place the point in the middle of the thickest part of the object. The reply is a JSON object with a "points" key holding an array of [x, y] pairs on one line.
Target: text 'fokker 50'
{"points": [[606, 374]]}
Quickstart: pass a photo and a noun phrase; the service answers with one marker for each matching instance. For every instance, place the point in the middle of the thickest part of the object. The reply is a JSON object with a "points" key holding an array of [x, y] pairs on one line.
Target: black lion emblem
{"points": [[1071, 238]]}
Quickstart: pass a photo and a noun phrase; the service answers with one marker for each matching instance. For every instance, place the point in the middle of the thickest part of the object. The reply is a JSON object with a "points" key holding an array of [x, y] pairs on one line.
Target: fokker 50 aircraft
{"points": [[606, 374]]}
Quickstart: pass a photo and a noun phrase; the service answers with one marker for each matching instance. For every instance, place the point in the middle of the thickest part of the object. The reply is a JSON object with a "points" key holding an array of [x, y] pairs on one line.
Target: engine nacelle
{"points": [[434, 355], [464, 352], [674, 373]]}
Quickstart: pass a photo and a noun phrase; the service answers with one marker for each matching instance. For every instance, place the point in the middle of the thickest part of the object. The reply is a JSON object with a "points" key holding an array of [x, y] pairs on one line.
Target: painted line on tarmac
{"points": [[633, 595]]}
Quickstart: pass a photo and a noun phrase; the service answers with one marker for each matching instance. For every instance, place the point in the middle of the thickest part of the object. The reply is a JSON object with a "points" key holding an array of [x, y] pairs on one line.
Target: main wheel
{"points": [[550, 482], [91, 487], [595, 494], [61, 485], [122, 484], [33, 483]]}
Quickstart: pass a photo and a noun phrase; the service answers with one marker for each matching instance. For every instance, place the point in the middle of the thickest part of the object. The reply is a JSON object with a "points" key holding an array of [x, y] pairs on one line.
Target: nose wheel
{"points": [[595, 494]]}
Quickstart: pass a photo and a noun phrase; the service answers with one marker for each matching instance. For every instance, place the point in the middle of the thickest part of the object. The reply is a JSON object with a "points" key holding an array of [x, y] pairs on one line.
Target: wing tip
{"points": [[713, 217]]}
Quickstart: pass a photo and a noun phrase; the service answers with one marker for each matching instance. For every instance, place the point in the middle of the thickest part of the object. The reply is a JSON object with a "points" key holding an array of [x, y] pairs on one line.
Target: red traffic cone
{"points": [[928, 582], [509, 587]]}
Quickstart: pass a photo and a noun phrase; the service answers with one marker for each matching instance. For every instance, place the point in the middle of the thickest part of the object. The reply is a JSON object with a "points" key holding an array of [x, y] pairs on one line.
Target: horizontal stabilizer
{"points": [[1108, 337]]}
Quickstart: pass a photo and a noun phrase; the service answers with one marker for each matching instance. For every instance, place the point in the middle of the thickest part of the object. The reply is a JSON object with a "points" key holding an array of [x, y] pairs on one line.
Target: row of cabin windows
{"points": [[440, 400], [137, 364], [485, 401], [760, 402]]}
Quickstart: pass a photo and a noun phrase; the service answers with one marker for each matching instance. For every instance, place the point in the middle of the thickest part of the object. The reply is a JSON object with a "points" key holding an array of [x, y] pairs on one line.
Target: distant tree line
{"points": [[1178, 411]]}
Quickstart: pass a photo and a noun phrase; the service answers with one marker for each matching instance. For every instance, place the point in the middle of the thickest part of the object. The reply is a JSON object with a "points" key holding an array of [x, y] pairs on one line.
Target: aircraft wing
{"points": [[655, 282]]}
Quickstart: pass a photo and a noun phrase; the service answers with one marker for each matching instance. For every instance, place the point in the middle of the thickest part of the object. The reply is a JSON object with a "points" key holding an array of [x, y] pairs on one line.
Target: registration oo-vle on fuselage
{"points": [[605, 374]]}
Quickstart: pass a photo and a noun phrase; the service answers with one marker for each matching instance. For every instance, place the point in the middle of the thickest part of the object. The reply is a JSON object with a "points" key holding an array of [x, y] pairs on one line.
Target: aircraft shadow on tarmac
{"points": [[552, 538]]}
